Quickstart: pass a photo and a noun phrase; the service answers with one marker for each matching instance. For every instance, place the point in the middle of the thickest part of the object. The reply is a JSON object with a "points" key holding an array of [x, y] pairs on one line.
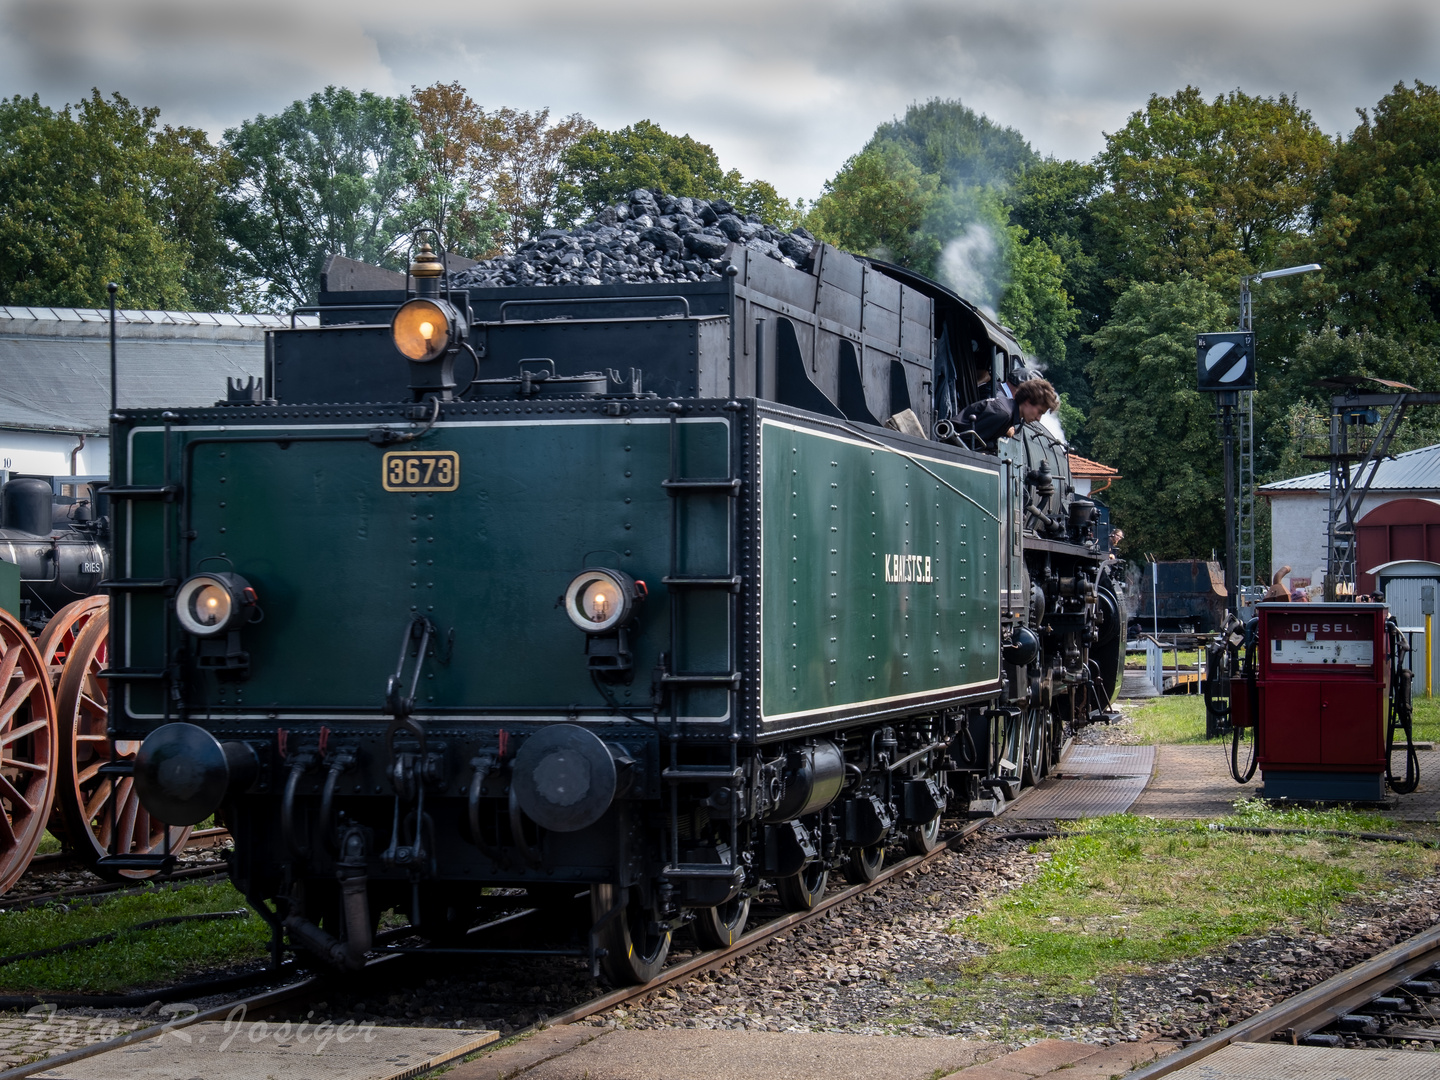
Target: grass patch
{"points": [[1426, 716], [143, 958], [1178, 719], [1123, 893]]}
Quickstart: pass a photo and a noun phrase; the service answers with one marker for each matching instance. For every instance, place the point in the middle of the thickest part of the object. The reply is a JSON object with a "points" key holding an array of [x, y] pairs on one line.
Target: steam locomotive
{"points": [[667, 593], [58, 543]]}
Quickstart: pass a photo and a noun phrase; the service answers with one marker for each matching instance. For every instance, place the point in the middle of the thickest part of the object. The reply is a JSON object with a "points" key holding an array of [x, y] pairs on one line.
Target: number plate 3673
{"points": [[412, 470]]}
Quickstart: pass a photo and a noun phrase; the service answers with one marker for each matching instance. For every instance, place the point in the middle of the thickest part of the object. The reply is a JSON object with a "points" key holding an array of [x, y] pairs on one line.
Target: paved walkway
{"points": [[1195, 782], [1090, 781], [588, 1053]]}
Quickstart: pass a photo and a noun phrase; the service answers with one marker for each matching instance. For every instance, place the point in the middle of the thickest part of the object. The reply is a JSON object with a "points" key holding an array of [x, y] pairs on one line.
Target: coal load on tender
{"points": [[652, 237]]}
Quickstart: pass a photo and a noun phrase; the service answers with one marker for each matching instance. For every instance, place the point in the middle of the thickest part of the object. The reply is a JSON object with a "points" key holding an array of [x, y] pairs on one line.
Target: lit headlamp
{"points": [[211, 604], [598, 600], [424, 329]]}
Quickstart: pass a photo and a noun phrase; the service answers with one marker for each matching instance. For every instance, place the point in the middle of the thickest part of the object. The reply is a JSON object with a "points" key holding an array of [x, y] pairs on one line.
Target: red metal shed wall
{"points": [[1400, 529]]}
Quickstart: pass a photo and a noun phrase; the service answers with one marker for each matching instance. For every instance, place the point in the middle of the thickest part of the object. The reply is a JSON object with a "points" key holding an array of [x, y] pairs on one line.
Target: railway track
{"points": [[51, 862], [272, 999], [1385, 998], [1390, 999]]}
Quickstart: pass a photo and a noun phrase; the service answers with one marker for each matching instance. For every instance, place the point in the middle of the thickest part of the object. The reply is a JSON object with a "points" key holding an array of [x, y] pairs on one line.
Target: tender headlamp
{"points": [[600, 600], [211, 604], [424, 329]]}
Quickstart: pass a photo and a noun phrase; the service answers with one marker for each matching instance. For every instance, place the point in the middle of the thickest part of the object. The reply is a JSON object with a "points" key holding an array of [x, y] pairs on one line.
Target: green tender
{"points": [[340, 564], [880, 576]]}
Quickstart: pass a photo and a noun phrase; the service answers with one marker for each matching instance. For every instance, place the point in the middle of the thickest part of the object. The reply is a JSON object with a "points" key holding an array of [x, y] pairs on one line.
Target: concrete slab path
{"points": [[587, 1053]]}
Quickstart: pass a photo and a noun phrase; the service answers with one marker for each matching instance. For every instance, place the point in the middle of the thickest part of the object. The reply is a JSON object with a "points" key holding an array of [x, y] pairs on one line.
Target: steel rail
{"points": [[113, 888], [1310, 1010], [200, 838]]}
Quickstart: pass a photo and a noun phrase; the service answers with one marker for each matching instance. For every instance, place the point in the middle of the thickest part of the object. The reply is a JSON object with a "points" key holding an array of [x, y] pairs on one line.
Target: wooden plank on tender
{"points": [[882, 323], [841, 269], [774, 278], [882, 291], [835, 303], [257, 1050], [915, 337]]}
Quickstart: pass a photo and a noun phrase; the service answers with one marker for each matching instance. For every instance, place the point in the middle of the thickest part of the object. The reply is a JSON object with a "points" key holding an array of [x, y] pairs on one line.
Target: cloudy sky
{"points": [[784, 91]]}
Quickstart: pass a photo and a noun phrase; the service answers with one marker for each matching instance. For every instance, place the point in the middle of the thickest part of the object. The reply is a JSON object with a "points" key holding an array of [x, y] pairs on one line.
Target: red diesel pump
{"points": [[1321, 689]]}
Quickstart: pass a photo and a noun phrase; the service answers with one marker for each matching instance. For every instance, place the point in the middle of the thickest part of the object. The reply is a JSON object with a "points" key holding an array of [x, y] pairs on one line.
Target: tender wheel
{"points": [[27, 748], [634, 952], [720, 926], [923, 839], [803, 890], [864, 864], [82, 795], [1035, 742]]}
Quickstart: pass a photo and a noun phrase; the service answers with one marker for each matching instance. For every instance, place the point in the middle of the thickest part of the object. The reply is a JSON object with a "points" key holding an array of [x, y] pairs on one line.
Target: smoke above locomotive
{"points": [[630, 564]]}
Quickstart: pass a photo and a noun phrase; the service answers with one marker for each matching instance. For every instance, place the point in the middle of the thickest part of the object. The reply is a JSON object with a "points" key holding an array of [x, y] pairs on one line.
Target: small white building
{"points": [[55, 376], [1300, 512]]}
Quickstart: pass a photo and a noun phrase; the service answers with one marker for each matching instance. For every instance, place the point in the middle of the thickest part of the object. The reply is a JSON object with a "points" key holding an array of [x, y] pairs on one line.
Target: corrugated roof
{"points": [[55, 362], [153, 318], [1084, 467], [63, 384], [1414, 470]]}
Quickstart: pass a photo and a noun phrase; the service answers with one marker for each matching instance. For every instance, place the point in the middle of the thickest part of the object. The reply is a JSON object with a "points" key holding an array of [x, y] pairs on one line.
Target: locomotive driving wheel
{"points": [[27, 748], [635, 947], [55, 643], [58, 638], [83, 796]]}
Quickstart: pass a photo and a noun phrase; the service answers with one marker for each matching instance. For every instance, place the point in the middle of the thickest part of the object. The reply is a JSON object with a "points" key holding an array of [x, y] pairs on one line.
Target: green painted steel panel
{"points": [[880, 577], [10, 588], [340, 563]]}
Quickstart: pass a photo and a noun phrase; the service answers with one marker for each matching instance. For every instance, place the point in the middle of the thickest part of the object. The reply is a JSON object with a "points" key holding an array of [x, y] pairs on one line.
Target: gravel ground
{"points": [[887, 965]]}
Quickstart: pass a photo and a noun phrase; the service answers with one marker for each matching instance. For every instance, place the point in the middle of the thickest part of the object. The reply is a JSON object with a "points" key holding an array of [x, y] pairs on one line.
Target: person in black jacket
{"points": [[991, 418]]}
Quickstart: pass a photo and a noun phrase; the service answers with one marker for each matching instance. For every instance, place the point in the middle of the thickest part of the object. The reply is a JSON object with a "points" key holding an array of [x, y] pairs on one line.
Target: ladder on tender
{"points": [[680, 584]]}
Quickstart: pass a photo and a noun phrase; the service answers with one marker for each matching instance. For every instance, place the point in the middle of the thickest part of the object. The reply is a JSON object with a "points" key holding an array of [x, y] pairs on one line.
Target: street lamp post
{"points": [[1228, 402]]}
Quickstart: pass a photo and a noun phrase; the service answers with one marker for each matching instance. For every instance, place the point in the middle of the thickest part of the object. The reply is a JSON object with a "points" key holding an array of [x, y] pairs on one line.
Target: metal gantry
{"points": [[1244, 538], [1352, 471]]}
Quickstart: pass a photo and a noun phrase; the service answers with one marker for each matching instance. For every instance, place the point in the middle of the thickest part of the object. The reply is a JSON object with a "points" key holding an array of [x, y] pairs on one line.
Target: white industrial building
{"points": [[55, 376], [1300, 509]]}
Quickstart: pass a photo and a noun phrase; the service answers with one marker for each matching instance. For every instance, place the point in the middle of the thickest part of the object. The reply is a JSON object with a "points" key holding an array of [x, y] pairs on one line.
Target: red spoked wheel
{"points": [[58, 637], [83, 795], [27, 748]]}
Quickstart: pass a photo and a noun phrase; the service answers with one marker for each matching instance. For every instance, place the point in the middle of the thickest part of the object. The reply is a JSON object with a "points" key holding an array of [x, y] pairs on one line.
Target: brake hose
{"points": [[1400, 714]]}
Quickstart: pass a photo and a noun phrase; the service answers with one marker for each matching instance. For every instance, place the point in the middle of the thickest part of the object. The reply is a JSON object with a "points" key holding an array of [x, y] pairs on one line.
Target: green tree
{"points": [[876, 205], [1151, 422], [522, 168], [98, 192], [1209, 188], [1035, 304], [957, 145], [333, 174], [1379, 219], [603, 167], [455, 145]]}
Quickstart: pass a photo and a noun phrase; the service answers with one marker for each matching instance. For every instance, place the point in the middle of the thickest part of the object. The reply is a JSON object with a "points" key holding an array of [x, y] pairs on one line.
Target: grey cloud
{"points": [[784, 92]]}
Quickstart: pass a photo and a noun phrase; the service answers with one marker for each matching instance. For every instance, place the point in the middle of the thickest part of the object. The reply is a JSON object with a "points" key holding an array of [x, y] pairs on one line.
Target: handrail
{"points": [[683, 301]]}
